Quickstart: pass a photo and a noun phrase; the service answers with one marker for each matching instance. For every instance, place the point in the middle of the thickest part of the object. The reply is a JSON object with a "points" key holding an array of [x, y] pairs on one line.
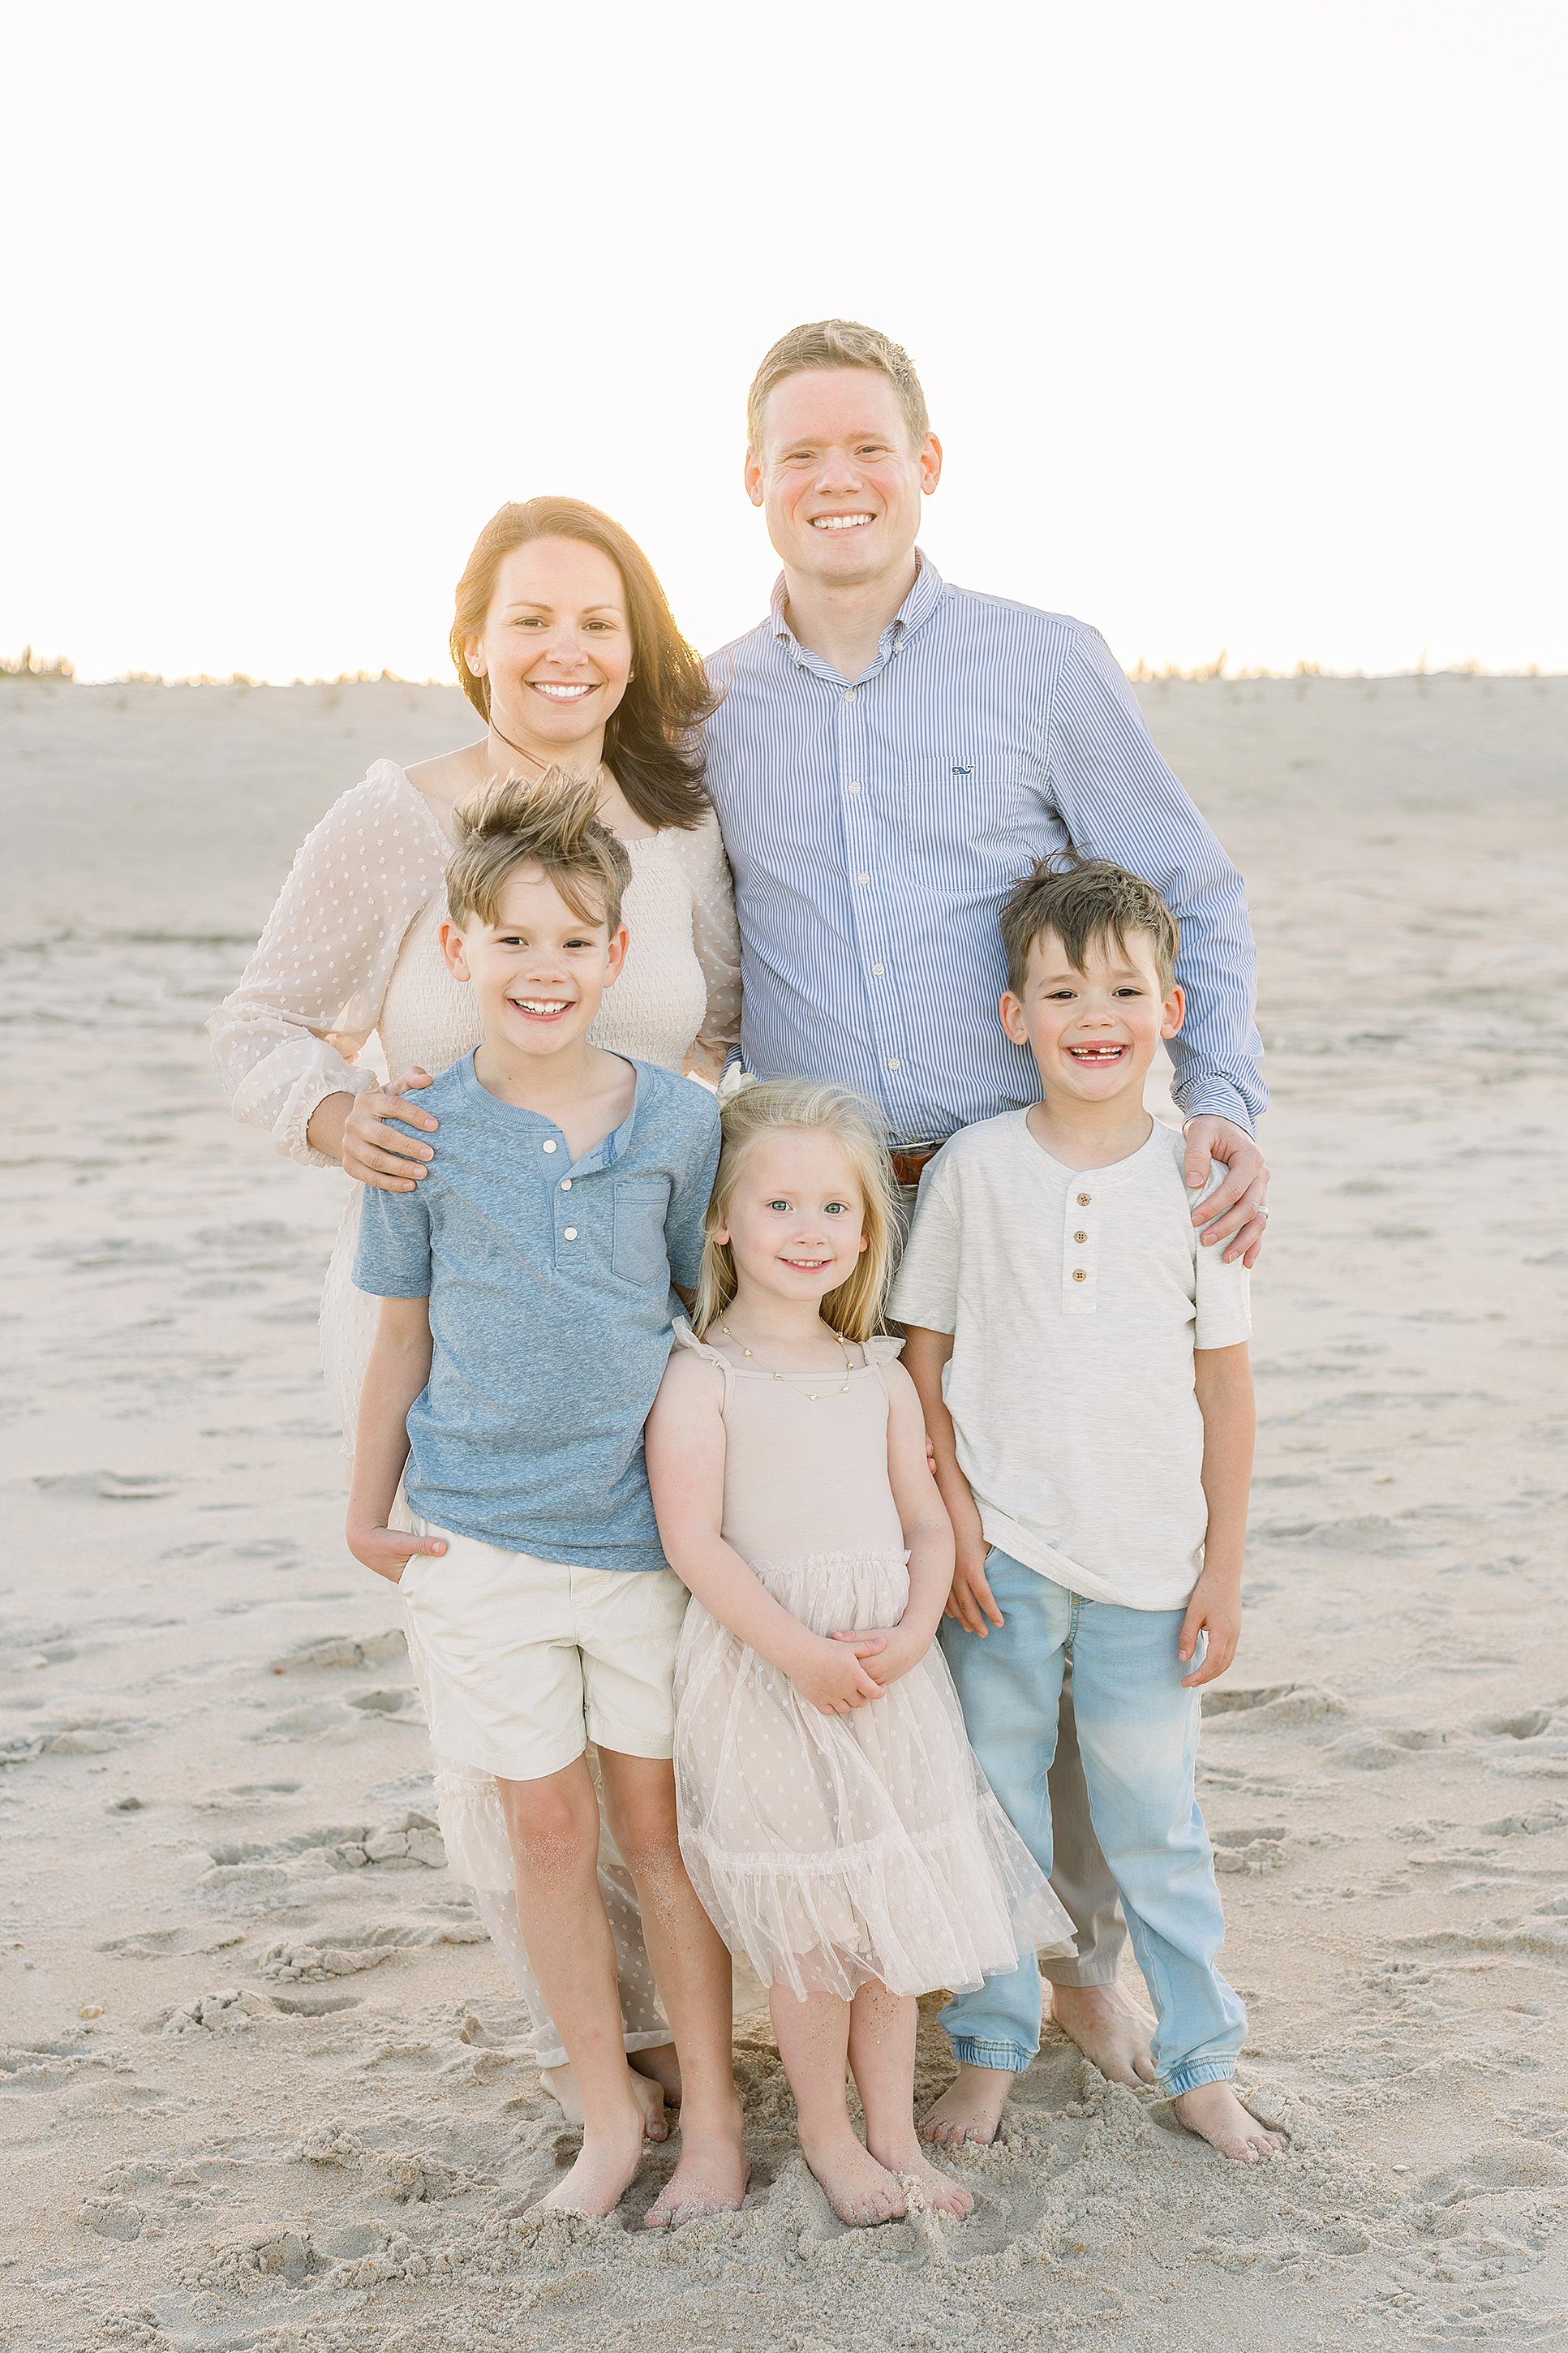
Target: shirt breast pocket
{"points": [[973, 803], [641, 1207]]}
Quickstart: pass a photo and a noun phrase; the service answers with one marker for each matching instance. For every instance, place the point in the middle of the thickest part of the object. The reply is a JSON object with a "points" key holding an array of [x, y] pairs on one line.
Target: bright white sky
{"points": [[1241, 324]]}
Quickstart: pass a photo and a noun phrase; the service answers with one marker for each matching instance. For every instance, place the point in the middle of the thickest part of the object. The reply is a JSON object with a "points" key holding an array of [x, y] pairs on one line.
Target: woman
{"points": [[568, 651]]}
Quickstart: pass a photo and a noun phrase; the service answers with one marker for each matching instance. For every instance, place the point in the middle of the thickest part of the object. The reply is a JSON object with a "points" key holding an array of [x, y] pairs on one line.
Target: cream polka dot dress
{"points": [[352, 949], [831, 1850]]}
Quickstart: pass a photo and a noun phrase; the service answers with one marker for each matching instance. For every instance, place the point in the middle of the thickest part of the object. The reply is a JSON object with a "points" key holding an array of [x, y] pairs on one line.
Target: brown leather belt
{"points": [[907, 1165]]}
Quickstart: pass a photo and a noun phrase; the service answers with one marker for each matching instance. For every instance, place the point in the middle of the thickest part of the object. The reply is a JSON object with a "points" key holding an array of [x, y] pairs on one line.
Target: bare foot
{"points": [[937, 2191], [859, 2191], [1112, 2032], [971, 2107], [609, 2164], [1214, 2112], [561, 2085], [660, 2065], [712, 2175]]}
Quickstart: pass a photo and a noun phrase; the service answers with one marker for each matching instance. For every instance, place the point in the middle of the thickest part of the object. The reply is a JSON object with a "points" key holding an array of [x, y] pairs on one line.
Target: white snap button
{"points": [[551, 1146], [571, 1234], [566, 1188]]}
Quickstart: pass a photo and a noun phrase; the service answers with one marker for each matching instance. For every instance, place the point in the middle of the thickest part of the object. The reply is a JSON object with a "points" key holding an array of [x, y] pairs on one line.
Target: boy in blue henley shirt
{"points": [[549, 1282], [525, 1323]]}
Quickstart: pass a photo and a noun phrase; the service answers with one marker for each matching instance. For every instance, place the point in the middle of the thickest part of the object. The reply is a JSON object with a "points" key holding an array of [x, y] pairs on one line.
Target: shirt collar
{"points": [[605, 1154], [916, 610]]}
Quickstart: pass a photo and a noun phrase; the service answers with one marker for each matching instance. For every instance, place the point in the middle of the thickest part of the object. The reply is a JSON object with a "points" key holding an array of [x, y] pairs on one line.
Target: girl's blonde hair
{"points": [[781, 1106]]}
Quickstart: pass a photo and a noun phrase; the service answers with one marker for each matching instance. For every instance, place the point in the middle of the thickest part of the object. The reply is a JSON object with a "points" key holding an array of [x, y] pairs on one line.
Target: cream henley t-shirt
{"points": [[1075, 1299]]}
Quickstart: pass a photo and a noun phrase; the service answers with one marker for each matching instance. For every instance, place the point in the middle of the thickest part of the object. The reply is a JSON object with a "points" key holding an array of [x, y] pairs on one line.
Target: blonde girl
{"points": [[833, 1817]]}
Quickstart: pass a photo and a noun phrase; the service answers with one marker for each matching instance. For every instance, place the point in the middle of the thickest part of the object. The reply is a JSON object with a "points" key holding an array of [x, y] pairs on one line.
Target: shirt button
{"points": [[1080, 1236], [892, 1066], [551, 1146], [1083, 1199], [849, 694], [853, 788], [572, 1236], [566, 1188], [863, 878], [877, 971], [1079, 1275]]}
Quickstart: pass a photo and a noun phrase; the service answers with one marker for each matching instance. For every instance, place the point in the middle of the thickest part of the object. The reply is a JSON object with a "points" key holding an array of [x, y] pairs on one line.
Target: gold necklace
{"points": [[812, 1397]]}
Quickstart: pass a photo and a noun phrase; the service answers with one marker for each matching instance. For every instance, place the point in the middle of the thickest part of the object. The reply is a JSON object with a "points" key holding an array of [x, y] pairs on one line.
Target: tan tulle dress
{"points": [[830, 1850]]}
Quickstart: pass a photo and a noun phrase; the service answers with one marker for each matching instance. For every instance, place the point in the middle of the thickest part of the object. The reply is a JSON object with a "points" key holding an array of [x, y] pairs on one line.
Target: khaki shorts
{"points": [[529, 1661]]}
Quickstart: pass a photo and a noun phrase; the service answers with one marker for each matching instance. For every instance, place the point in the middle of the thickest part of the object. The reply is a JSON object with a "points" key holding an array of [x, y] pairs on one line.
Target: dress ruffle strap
{"points": [[685, 1337]]}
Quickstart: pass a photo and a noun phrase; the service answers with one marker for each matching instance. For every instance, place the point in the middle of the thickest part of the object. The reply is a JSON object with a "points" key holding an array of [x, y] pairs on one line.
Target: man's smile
{"points": [[841, 522]]}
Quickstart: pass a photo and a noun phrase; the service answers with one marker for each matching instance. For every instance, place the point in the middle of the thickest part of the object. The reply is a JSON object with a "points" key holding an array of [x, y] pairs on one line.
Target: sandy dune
{"points": [[260, 2084]]}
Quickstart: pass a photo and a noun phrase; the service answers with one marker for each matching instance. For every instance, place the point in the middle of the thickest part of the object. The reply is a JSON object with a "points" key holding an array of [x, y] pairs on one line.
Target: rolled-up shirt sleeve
{"points": [[311, 995], [1119, 801]]}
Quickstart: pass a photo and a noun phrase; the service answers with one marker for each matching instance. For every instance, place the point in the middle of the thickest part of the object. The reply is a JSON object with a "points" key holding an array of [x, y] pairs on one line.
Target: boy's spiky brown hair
{"points": [[1083, 900], [547, 821]]}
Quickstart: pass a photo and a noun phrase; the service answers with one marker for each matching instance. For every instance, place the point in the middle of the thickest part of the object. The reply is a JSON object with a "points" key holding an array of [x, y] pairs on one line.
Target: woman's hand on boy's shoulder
{"points": [[389, 1550], [1214, 1611], [377, 1154]]}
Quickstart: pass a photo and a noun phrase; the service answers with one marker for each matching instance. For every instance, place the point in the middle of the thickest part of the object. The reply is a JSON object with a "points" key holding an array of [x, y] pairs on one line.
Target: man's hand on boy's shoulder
{"points": [[1236, 1214], [1215, 1611]]}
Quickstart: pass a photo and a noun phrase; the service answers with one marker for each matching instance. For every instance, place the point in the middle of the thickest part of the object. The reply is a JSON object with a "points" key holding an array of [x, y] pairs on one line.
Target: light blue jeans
{"points": [[1138, 1735]]}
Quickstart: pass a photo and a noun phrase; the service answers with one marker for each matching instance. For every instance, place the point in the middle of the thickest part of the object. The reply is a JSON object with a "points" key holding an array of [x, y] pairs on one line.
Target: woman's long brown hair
{"points": [[651, 743]]}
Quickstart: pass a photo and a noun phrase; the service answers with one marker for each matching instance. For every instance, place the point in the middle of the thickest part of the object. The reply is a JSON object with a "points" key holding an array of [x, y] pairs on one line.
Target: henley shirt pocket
{"points": [[641, 1207]]}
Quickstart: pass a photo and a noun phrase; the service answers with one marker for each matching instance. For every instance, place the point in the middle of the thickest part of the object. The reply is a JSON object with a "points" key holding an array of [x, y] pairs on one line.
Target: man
{"points": [[890, 755]]}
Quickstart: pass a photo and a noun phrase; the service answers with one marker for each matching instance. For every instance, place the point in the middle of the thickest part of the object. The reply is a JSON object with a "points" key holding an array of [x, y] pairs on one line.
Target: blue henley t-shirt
{"points": [[549, 1284]]}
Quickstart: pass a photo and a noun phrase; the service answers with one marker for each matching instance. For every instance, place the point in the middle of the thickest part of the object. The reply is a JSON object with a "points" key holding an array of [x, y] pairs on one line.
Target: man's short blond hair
{"points": [[547, 821], [836, 343]]}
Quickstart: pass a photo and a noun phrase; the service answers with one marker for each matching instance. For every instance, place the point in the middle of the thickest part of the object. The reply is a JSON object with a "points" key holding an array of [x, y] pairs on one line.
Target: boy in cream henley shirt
{"points": [[1075, 1299], [1082, 1358]]}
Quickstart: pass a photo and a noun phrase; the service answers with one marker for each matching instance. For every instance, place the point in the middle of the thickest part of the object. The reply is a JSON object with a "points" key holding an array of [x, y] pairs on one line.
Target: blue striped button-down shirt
{"points": [[875, 829]]}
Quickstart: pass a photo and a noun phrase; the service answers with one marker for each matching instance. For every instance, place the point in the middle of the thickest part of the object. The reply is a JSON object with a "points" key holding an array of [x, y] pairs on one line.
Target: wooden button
{"points": [[1080, 1236], [1079, 1275], [1084, 1199]]}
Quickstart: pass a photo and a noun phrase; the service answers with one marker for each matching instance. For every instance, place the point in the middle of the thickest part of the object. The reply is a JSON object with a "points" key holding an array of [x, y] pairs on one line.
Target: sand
{"points": [[262, 2083]]}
